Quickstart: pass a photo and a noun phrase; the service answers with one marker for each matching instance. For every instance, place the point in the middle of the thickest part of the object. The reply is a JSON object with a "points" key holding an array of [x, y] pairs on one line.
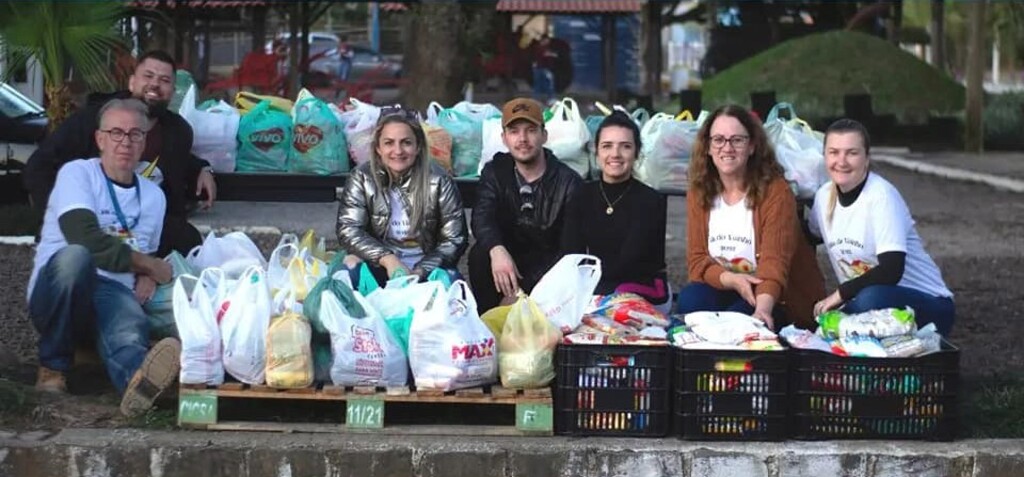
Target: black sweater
{"points": [[630, 242]]}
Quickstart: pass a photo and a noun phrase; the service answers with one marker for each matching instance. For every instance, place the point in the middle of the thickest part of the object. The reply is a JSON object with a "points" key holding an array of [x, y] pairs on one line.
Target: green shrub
{"points": [[1004, 121]]}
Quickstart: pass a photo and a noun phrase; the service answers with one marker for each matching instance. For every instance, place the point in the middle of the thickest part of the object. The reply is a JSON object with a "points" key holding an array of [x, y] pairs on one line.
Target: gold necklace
{"points": [[611, 204]]}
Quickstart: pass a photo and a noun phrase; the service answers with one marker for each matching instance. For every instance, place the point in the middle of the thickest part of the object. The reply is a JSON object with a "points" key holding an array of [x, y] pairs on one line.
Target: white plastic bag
{"points": [[799, 149], [244, 327], [564, 292], [234, 253], [214, 131], [568, 136], [195, 316], [359, 124], [449, 346], [493, 143], [665, 156], [363, 349]]}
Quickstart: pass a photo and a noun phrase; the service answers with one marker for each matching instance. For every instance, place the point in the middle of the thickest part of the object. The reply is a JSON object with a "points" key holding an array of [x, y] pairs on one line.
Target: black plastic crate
{"points": [[836, 397], [605, 390], [731, 395]]}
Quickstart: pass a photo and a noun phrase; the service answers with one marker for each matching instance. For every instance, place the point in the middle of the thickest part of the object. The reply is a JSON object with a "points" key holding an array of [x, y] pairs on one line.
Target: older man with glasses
{"points": [[182, 176], [93, 268], [517, 220]]}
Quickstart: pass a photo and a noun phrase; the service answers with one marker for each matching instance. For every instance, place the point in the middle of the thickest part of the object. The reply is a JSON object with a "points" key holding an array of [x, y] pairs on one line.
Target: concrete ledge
{"points": [[1001, 183], [96, 453]]}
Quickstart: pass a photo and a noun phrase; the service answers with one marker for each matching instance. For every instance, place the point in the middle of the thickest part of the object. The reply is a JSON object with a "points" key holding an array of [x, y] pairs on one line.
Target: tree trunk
{"points": [[976, 53], [938, 34], [58, 104], [434, 63]]}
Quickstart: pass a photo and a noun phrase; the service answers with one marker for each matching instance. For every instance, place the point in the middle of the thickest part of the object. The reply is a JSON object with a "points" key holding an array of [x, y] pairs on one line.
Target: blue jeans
{"points": [[927, 308], [344, 67], [699, 296], [71, 302]]}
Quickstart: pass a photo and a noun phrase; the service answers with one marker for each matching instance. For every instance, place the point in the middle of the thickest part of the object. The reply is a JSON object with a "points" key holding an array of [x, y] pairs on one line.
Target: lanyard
{"points": [[117, 206]]}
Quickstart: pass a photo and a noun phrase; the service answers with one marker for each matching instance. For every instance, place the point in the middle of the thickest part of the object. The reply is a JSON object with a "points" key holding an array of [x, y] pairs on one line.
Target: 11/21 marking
{"points": [[365, 414]]}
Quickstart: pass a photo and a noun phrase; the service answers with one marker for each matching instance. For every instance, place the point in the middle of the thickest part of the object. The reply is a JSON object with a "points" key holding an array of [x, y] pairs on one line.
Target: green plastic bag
{"points": [[311, 306], [367, 282], [442, 276], [159, 308], [264, 140], [182, 81], [467, 141], [318, 140], [399, 326]]}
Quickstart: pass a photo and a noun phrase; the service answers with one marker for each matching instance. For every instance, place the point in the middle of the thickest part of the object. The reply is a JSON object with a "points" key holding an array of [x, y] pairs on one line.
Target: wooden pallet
{"points": [[365, 406]]}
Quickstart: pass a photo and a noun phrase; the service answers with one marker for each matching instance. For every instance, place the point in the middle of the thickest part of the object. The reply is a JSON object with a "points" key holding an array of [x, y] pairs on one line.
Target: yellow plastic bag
{"points": [[289, 353], [495, 319], [245, 101], [316, 245], [527, 347]]}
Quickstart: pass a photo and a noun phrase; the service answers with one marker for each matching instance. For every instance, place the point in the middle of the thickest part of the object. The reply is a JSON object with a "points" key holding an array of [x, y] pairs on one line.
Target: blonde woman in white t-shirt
{"points": [[867, 229]]}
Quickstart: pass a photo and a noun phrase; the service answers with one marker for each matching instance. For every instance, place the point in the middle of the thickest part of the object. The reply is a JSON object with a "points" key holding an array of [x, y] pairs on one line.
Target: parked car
{"points": [[323, 51], [23, 124]]}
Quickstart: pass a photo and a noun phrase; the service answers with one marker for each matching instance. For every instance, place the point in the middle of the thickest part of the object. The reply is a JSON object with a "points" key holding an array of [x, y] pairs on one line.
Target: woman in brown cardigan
{"points": [[745, 248]]}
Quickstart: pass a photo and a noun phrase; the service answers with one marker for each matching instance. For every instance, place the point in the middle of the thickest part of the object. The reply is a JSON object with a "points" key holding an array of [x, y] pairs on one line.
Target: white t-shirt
{"points": [[400, 232], [879, 221], [81, 184], [731, 236]]}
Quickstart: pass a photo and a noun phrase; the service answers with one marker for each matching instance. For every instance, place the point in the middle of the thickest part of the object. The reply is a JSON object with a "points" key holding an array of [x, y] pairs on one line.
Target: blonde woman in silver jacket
{"points": [[400, 212]]}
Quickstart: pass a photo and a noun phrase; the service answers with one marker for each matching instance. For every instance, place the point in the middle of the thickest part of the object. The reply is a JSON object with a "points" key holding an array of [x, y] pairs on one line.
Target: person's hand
{"points": [[503, 269], [392, 264], [765, 317], [830, 302], [206, 183], [742, 284], [145, 287], [159, 270]]}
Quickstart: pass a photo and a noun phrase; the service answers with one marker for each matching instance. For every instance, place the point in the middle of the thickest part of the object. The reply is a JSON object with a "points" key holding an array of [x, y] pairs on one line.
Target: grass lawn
{"points": [[814, 72]]}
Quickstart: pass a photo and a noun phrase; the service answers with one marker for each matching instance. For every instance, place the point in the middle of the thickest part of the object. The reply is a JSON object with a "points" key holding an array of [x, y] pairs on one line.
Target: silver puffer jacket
{"points": [[364, 212]]}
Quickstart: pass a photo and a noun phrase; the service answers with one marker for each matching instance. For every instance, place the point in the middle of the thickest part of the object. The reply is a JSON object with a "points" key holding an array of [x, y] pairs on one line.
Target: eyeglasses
{"points": [[737, 141], [398, 110], [118, 134], [526, 195]]}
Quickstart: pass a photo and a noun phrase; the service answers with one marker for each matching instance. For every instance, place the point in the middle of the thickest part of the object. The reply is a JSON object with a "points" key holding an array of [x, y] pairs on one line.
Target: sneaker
{"points": [[158, 372], [50, 381]]}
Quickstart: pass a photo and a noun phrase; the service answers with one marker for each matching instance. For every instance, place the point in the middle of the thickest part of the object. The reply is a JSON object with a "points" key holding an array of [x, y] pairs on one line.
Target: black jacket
{"points": [[75, 139], [497, 216]]}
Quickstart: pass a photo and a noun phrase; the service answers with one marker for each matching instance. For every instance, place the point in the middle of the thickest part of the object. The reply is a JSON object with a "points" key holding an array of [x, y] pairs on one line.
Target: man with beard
{"points": [[167, 157], [517, 220]]}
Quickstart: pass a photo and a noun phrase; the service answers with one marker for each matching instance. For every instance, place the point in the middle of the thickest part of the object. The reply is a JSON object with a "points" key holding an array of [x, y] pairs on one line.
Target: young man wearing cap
{"points": [[521, 197]]}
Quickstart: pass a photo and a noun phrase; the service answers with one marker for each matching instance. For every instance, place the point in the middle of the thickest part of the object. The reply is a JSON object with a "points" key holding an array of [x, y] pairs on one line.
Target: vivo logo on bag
{"points": [[267, 138], [306, 137], [470, 351]]}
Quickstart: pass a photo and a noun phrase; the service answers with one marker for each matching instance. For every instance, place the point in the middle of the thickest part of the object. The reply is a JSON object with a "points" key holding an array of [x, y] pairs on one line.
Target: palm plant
{"points": [[66, 39]]}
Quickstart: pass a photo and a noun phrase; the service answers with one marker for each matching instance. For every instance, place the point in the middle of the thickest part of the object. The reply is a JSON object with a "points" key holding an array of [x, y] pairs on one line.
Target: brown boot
{"points": [[158, 372], [50, 381]]}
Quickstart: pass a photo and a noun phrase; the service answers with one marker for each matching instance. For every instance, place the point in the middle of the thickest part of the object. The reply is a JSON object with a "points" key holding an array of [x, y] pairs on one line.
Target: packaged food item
{"points": [[628, 309], [863, 346], [607, 325], [804, 339], [874, 323], [902, 346], [587, 338]]}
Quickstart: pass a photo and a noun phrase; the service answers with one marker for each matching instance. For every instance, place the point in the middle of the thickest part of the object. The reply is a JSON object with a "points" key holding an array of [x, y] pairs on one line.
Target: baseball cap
{"points": [[522, 108]]}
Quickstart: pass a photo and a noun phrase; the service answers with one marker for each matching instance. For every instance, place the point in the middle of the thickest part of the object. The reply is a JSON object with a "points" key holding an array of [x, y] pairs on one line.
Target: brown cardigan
{"points": [[786, 262]]}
